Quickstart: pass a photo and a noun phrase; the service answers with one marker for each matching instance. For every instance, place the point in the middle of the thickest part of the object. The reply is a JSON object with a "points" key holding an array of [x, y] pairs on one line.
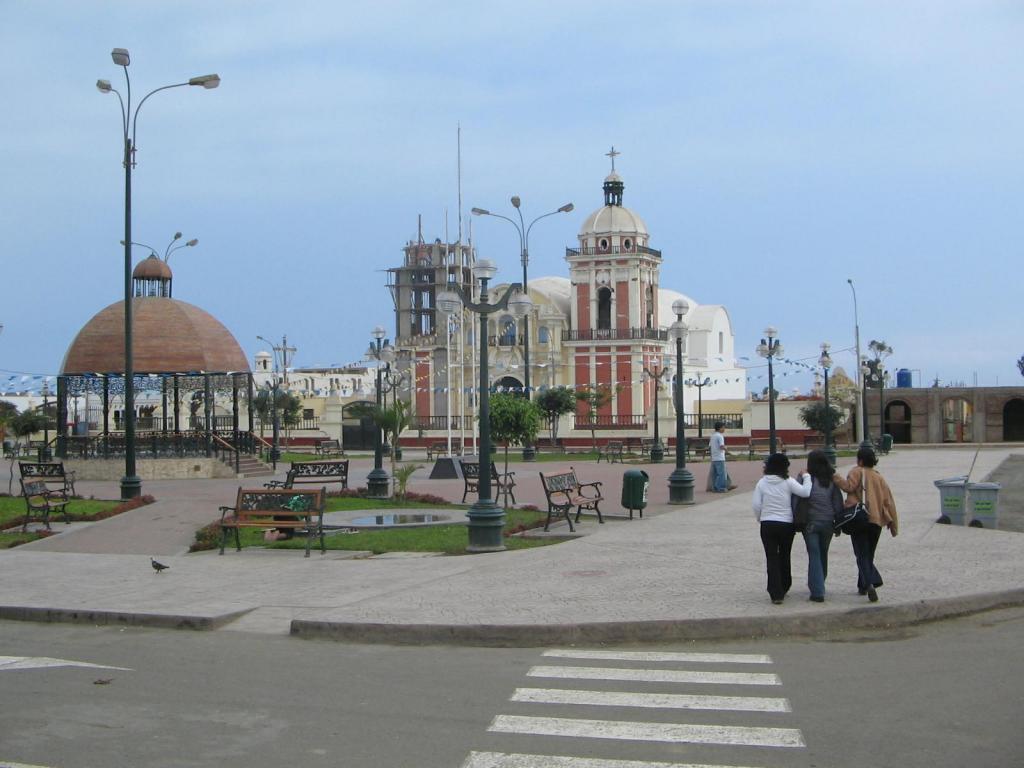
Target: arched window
{"points": [[957, 417], [543, 335], [507, 331], [604, 309], [650, 305], [721, 342], [1013, 420]]}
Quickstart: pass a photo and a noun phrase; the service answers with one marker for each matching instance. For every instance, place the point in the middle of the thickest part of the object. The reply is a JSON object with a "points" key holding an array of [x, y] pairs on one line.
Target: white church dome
{"points": [[613, 219]]}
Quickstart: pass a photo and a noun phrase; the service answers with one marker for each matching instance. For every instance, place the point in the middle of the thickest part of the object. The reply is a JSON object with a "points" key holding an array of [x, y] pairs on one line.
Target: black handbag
{"points": [[853, 519], [801, 511]]}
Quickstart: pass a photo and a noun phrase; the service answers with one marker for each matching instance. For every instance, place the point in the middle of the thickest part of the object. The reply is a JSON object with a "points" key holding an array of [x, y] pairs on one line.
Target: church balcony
{"points": [[427, 341], [615, 334], [617, 421], [504, 341], [614, 250]]}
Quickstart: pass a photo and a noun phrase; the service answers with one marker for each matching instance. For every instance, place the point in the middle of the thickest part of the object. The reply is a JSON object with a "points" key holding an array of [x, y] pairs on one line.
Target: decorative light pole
{"points": [[825, 361], [131, 484], [770, 348], [378, 482], [275, 446], [529, 452], [860, 381], [883, 378], [486, 518], [680, 482], [44, 452], [656, 374], [392, 381], [700, 401]]}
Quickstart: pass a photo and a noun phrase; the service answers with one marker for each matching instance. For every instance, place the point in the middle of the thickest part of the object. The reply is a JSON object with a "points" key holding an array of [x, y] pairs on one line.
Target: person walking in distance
{"points": [[719, 476], [864, 483], [825, 501], [774, 510]]}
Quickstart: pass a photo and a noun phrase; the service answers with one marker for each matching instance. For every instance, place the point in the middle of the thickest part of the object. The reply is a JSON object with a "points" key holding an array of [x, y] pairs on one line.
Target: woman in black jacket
{"points": [[825, 500]]}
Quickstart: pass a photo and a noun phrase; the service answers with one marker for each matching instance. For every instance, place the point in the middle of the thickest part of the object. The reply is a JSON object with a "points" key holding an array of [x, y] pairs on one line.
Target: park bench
{"points": [[546, 444], [564, 492], [329, 449], [761, 446], [52, 473], [699, 447], [300, 511], [42, 500], [813, 442], [440, 448], [505, 481], [611, 451], [313, 473]]}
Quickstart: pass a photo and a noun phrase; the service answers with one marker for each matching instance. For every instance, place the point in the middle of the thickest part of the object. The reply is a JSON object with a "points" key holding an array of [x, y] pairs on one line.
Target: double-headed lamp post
{"points": [[680, 482], [657, 374], [825, 361], [486, 518], [378, 482], [529, 452], [770, 348], [700, 384], [131, 484]]}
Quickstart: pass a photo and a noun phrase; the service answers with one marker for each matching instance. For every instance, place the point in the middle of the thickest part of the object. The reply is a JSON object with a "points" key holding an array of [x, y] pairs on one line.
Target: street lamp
{"points": [[486, 518], [656, 374], [859, 382], [680, 482], [825, 361], [44, 452], [275, 447], [529, 452], [770, 347], [700, 401], [378, 482], [131, 484]]}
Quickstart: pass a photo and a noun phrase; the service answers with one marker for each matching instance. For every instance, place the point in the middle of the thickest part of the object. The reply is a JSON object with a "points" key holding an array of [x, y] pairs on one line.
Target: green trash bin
{"points": [[951, 499], [634, 490], [984, 503]]}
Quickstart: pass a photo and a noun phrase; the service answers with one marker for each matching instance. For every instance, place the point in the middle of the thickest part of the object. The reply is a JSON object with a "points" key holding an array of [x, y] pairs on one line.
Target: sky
{"points": [[774, 149]]}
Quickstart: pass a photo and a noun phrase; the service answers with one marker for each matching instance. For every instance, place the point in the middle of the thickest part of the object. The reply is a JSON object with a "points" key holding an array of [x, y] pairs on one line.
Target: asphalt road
{"points": [[946, 694]]}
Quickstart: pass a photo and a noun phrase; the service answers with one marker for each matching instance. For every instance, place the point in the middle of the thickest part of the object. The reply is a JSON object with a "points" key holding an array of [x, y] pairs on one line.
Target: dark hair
{"points": [[866, 457], [820, 468], [777, 464], [719, 425]]}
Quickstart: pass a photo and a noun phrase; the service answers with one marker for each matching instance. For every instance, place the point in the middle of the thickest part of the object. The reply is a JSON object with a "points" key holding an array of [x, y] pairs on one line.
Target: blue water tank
{"points": [[904, 378]]}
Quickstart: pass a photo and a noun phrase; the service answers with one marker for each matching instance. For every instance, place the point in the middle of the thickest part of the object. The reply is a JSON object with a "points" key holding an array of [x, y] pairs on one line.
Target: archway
{"points": [[957, 418], [357, 432], [898, 421], [1013, 420], [604, 309], [510, 385]]}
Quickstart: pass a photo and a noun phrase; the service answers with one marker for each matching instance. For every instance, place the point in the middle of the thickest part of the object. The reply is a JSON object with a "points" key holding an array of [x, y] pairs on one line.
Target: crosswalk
{"points": [[668, 686]]}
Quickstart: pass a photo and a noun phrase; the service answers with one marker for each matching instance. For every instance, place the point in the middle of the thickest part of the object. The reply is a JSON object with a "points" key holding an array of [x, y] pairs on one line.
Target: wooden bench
{"points": [[564, 492], [612, 451], [441, 449], [812, 442], [313, 473], [698, 446], [761, 446], [52, 473], [42, 500], [329, 449], [505, 481], [299, 511]]}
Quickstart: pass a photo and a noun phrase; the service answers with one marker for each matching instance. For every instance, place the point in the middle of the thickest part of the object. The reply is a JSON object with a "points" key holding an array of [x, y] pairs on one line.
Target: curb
{"points": [[128, 618], [536, 635]]}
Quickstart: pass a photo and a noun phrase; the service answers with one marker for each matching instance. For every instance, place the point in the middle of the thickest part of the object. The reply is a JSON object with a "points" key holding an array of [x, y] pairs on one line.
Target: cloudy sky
{"points": [[775, 149]]}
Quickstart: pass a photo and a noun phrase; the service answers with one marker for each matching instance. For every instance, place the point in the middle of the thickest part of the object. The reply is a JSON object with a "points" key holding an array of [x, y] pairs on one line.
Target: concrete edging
{"points": [[128, 618]]}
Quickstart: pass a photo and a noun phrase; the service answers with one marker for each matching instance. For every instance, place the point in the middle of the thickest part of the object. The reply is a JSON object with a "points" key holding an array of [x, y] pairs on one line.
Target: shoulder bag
{"points": [[801, 511], [854, 519]]}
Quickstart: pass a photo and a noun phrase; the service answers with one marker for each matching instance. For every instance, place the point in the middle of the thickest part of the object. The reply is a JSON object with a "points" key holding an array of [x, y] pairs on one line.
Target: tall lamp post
{"points": [[656, 374], [275, 446], [44, 452], [378, 482], [825, 361], [131, 484], [486, 518], [883, 379], [529, 452], [680, 482], [770, 348], [860, 381], [699, 384]]}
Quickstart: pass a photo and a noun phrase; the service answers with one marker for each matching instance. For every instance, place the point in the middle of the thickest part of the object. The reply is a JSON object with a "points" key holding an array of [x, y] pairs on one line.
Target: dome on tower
{"points": [[614, 217]]}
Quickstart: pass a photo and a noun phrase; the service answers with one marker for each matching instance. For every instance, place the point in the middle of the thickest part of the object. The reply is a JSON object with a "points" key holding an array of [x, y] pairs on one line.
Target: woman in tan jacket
{"points": [[881, 512]]}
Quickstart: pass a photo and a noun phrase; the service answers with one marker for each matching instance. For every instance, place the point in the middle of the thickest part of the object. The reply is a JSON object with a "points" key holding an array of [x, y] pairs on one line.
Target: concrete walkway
{"points": [[681, 572]]}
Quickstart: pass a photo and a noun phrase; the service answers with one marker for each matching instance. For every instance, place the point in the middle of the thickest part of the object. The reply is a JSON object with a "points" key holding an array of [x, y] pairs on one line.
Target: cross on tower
{"points": [[612, 154]]}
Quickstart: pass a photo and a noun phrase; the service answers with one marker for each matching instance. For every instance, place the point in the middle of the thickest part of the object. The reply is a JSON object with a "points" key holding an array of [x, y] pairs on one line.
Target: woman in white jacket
{"points": [[774, 510]]}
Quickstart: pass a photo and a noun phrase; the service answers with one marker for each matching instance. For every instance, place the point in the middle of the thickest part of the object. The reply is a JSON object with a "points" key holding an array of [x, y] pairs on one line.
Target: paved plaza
{"points": [[680, 572]]}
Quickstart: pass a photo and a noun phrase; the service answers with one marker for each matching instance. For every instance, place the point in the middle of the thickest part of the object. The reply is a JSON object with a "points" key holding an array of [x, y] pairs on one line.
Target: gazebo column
{"points": [[62, 417], [177, 407], [106, 417], [236, 438], [207, 404], [163, 405]]}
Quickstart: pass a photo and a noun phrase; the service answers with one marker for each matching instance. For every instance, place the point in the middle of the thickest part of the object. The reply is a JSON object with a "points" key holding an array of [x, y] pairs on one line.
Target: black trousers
{"points": [[864, 544], [777, 539]]}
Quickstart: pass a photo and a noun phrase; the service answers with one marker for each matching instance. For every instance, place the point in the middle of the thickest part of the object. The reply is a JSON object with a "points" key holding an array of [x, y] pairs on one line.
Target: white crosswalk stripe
{"points": [[653, 656], [656, 675], [654, 670], [650, 700], [515, 760]]}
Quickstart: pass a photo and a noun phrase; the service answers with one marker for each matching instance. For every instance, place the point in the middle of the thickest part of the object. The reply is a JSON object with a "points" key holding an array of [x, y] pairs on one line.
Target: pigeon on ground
{"points": [[158, 566]]}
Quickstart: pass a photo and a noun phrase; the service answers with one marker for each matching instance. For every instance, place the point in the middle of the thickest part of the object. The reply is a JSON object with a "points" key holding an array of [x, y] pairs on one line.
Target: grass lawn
{"points": [[448, 539], [12, 510]]}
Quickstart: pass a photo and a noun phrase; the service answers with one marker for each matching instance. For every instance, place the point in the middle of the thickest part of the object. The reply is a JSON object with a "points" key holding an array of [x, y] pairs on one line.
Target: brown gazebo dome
{"points": [[169, 336], [152, 268]]}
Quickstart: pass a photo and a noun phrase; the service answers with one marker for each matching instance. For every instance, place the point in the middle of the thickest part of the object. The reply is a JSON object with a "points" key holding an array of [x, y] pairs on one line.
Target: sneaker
{"points": [[817, 599], [777, 601], [731, 488], [872, 595]]}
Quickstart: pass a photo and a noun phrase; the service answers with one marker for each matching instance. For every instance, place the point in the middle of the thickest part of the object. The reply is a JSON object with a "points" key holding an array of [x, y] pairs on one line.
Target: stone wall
{"points": [[150, 469]]}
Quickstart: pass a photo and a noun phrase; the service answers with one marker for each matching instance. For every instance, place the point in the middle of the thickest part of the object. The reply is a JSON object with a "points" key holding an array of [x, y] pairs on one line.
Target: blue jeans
{"points": [[719, 479], [817, 538]]}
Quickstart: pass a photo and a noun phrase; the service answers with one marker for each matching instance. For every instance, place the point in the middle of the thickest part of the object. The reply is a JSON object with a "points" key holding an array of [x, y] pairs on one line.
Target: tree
{"points": [[289, 407], [392, 420], [22, 425], [514, 419], [1020, 365], [8, 411], [819, 417], [594, 398], [880, 350], [552, 404]]}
